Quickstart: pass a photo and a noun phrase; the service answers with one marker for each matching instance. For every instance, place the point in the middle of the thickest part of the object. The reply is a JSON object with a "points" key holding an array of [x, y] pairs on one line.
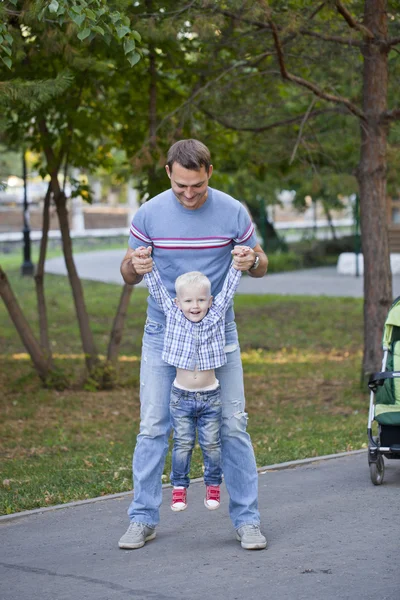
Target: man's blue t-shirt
{"points": [[191, 240]]}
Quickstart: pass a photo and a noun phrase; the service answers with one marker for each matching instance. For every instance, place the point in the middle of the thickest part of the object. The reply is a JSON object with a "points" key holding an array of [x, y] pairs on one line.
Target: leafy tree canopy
{"points": [[86, 18]]}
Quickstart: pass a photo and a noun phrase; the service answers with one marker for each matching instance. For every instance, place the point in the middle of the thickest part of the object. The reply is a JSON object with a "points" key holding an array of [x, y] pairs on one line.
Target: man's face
{"points": [[194, 301], [189, 187]]}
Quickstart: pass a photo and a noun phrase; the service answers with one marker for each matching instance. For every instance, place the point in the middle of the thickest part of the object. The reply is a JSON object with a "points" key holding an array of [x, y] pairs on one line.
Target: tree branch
{"points": [[332, 38], [393, 41], [203, 88], [303, 122], [308, 84], [325, 96], [316, 11], [391, 115], [53, 161], [231, 15], [261, 24], [282, 123], [279, 50], [166, 14], [352, 22]]}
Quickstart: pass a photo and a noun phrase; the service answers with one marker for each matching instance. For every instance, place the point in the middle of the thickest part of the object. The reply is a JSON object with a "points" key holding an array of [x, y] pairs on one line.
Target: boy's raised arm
{"points": [[232, 280], [224, 297], [156, 288]]}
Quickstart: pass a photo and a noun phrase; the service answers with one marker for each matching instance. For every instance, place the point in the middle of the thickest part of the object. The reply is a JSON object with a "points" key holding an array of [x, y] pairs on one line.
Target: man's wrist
{"points": [[129, 273], [255, 263]]}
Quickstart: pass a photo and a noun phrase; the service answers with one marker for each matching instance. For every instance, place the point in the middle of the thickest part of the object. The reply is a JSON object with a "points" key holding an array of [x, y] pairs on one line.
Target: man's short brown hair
{"points": [[190, 154]]}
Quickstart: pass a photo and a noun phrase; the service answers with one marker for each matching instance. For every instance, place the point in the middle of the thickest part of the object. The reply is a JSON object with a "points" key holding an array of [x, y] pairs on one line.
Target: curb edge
{"points": [[261, 471]]}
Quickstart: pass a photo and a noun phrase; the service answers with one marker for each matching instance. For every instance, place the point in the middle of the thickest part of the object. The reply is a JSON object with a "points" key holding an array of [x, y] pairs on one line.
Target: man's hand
{"points": [[135, 264], [141, 260], [243, 257]]}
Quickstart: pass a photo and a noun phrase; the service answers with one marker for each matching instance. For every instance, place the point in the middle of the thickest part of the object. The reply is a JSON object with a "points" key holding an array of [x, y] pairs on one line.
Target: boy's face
{"points": [[194, 301]]}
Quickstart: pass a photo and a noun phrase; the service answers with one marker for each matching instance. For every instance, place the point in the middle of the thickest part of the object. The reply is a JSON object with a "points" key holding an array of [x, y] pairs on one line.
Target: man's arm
{"points": [[245, 262]]}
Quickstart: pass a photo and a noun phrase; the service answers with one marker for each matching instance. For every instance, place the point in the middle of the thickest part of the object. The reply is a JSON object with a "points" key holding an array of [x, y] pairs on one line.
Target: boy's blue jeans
{"points": [[191, 410], [238, 462]]}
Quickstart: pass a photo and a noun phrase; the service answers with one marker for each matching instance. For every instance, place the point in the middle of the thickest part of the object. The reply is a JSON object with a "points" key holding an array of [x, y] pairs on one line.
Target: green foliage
{"points": [[317, 253], [34, 94], [89, 18], [67, 80], [279, 262], [325, 186], [102, 377], [214, 78], [309, 253], [210, 80], [81, 190], [6, 42], [10, 164], [57, 379]]}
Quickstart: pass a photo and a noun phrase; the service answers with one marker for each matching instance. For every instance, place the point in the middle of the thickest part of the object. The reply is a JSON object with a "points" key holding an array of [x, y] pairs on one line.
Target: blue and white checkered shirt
{"points": [[189, 345]]}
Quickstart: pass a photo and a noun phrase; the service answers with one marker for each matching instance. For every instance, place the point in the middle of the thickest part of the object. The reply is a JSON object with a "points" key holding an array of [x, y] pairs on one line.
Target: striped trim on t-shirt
{"points": [[140, 235], [247, 234], [190, 243]]}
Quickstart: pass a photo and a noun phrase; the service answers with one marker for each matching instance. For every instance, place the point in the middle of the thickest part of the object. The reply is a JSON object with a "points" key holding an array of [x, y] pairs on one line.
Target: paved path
{"points": [[322, 281], [332, 536]]}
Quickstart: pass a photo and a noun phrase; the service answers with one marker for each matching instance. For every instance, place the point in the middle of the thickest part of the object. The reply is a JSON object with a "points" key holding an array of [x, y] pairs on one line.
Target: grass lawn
{"points": [[302, 361]]}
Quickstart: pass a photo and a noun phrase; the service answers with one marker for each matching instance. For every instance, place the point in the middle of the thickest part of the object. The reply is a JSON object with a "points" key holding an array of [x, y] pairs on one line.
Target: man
{"points": [[191, 227]]}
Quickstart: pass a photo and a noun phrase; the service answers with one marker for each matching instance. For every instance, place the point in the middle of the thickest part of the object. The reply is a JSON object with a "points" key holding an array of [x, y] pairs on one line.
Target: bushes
{"points": [[310, 253], [318, 253], [284, 261]]}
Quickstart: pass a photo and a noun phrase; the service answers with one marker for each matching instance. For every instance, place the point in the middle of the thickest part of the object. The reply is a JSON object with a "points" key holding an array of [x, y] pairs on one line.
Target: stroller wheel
{"points": [[377, 471]]}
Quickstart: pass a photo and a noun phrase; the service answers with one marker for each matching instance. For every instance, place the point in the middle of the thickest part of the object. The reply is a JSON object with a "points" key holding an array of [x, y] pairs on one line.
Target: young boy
{"points": [[194, 343]]}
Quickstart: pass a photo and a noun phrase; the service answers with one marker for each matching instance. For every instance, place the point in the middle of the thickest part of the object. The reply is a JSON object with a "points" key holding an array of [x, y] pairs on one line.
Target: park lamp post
{"points": [[27, 267]]}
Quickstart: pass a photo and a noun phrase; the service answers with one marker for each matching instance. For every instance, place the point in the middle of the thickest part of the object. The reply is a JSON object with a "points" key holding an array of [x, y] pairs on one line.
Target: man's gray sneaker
{"points": [[251, 538], [136, 536]]}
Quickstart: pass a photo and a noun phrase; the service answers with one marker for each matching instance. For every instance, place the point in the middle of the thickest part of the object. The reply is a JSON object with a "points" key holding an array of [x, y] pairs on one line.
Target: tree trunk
{"points": [[53, 166], [39, 281], [118, 325], [272, 239], [371, 177], [88, 345], [23, 328], [329, 219]]}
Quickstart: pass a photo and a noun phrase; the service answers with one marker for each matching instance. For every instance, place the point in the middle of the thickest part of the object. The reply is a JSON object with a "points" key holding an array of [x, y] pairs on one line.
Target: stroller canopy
{"points": [[387, 405], [391, 330]]}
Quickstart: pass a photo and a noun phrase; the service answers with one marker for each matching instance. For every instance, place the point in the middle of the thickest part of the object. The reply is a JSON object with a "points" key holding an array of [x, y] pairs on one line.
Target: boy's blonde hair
{"points": [[191, 279]]}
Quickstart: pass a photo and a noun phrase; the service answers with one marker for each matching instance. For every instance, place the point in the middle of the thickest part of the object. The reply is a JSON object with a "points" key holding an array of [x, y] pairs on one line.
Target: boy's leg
{"points": [[238, 461], [184, 428], [209, 433], [156, 378]]}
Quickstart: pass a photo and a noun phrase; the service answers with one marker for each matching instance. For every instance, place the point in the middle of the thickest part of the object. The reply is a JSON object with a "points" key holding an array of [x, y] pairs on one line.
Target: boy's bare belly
{"points": [[194, 380]]}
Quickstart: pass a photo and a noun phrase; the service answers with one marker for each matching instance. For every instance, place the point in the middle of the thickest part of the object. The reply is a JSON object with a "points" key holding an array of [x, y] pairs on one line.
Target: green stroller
{"points": [[384, 407]]}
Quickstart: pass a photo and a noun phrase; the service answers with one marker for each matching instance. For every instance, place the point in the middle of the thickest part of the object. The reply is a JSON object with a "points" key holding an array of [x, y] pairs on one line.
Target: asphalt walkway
{"points": [[332, 534], [322, 281]]}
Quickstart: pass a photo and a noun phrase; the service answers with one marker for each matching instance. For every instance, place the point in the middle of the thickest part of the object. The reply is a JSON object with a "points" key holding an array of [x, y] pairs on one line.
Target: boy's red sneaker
{"points": [[178, 499], [213, 497]]}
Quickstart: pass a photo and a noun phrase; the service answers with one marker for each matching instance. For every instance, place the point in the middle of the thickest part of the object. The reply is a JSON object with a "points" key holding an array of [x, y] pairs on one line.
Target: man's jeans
{"points": [[191, 410], [238, 462]]}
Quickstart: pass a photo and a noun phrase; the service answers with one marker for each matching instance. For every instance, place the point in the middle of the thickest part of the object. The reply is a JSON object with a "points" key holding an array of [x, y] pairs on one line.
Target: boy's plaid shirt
{"points": [[189, 345]]}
